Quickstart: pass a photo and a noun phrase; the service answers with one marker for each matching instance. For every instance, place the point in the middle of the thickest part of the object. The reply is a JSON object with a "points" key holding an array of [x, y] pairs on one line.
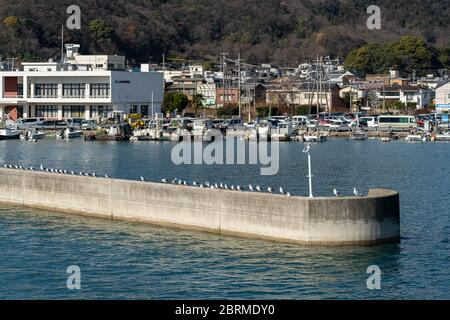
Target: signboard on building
{"points": [[443, 106]]}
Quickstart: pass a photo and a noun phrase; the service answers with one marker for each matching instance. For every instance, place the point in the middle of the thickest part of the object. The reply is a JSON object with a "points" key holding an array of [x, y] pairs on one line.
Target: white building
{"points": [[443, 98], [89, 87]]}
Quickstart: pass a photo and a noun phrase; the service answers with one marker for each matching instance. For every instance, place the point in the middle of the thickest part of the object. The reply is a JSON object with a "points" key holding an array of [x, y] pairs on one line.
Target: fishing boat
{"points": [[69, 133], [443, 137], [8, 134], [359, 135], [314, 138], [32, 135], [414, 138], [385, 139]]}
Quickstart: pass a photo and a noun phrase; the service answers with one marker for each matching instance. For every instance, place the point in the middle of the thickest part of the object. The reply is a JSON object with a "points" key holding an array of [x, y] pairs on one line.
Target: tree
{"points": [[174, 101], [197, 102], [101, 30]]}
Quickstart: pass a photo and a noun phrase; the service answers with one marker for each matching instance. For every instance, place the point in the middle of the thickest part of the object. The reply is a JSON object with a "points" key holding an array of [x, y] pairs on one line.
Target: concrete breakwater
{"points": [[354, 220]]}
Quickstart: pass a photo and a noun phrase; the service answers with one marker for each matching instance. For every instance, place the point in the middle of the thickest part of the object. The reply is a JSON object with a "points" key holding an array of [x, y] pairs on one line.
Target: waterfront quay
{"points": [[370, 219]]}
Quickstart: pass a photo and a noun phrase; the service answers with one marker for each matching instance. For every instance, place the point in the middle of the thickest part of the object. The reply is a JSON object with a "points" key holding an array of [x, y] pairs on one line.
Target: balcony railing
{"points": [[12, 96]]}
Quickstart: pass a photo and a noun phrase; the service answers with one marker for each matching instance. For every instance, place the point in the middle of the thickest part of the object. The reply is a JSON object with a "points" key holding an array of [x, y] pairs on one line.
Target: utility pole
{"points": [[239, 83], [224, 57]]}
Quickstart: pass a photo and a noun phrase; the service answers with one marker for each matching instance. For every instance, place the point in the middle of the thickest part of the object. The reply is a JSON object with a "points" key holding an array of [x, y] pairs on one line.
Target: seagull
{"points": [[226, 187], [336, 193], [232, 187], [238, 188], [356, 193], [81, 173], [42, 167], [258, 188], [32, 169], [201, 185], [250, 187], [281, 190], [288, 194], [174, 181], [106, 176], [94, 175], [72, 173], [164, 180], [180, 182], [86, 174], [142, 179], [10, 166], [269, 189], [185, 182], [221, 185], [194, 183], [65, 171], [216, 186]]}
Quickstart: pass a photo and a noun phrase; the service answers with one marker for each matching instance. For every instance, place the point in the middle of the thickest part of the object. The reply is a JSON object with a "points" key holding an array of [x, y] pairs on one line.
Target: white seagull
{"points": [[356, 193], [269, 189], [336, 193], [250, 187], [142, 179], [281, 190], [258, 188]]}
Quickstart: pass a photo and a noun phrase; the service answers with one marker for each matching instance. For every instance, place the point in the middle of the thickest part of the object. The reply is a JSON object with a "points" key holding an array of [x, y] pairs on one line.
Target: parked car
{"points": [[90, 125], [75, 122], [26, 123], [52, 125]]}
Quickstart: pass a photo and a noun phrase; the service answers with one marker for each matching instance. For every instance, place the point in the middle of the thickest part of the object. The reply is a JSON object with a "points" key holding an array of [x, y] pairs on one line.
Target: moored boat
{"points": [[8, 134]]}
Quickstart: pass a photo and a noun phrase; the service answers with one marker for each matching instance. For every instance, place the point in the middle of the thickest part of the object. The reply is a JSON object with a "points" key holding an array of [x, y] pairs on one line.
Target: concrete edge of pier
{"points": [[367, 220]]}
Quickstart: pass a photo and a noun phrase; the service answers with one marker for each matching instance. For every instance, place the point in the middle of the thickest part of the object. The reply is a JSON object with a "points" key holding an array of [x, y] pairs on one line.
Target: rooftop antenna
{"points": [[62, 44]]}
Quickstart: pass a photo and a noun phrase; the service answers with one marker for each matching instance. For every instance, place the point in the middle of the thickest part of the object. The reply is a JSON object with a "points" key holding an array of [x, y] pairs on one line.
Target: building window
{"points": [[74, 90], [46, 90], [100, 90], [47, 111], [133, 109], [144, 110], [74, 111], [103, 111]]}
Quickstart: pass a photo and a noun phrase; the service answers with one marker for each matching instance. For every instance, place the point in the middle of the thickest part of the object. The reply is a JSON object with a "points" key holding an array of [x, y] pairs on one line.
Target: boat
{"points": [[32, 135], [414, 138], [314, 138], [385, 139], [359, 135], [69, 133], [9, 134], [442, 137]]}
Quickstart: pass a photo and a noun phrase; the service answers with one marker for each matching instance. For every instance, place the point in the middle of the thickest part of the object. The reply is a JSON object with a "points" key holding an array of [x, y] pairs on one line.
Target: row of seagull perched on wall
{"points": [[175, 181], [52, 170], [222, 186]]}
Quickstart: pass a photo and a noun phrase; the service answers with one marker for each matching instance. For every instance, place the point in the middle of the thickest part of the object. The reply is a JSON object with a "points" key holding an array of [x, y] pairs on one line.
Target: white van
{"points": [[300, 121], [26, 123], [372, 122], [397, 122]]}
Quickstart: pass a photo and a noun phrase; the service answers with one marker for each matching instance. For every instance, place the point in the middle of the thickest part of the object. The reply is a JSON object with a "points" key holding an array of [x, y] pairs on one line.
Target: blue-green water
{"points": [[126, 260]]}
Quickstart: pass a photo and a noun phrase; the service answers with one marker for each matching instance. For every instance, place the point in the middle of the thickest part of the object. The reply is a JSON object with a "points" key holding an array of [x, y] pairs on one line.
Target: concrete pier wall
{"points": [[364, 220]]}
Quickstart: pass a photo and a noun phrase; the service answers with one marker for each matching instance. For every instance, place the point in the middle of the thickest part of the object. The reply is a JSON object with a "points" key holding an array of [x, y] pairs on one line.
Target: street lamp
{"points": [[310, 176]]}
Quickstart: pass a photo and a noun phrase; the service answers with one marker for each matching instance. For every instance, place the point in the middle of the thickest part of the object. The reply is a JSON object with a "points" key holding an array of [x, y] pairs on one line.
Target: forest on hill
{"points": [[285, 32]]}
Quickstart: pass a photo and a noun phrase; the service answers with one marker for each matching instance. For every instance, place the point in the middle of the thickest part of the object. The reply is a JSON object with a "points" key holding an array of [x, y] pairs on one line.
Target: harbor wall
{"points": [[353, 220]]}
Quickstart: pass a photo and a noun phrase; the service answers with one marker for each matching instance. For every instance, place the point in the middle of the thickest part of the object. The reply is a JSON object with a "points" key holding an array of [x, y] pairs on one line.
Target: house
{"points": [[304, 94], [80, 86], [227, 96], [443, 98], [419, 96], [208, 92]]}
